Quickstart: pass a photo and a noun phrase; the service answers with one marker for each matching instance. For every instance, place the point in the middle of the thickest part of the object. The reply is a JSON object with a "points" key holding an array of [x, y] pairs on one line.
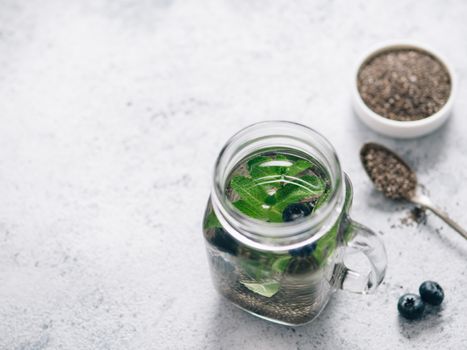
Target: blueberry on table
{"points": [[296, 211], [431, 292], [411, 306]]}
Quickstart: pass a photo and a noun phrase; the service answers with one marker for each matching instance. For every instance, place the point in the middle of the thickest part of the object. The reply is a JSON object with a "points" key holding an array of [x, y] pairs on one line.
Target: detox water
{"points": [[274, 186]]}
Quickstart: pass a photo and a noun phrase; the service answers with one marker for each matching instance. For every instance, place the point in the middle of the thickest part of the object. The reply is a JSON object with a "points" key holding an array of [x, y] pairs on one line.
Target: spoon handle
{"points": [[425, 202], [443, 215]]}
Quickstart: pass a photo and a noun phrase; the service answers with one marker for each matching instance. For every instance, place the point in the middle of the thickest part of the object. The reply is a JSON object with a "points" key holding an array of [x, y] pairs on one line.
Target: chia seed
{"points": [[388, 172], [418, 214], [404, 84]]}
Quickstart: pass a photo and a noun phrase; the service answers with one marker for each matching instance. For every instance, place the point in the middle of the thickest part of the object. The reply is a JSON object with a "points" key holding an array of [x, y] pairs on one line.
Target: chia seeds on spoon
{"points": [[404, 84], [390, 174], [396, 180]]}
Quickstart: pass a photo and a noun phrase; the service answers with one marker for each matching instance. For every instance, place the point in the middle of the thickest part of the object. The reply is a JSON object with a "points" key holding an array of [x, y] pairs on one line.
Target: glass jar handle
{"points": [[367, 242]]}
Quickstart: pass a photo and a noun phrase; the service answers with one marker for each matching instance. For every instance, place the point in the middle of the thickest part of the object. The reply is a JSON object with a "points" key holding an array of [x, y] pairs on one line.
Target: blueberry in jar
{"points": [[296, 211], [411, 306], [303, 251], [431, 293], [224, 241]]}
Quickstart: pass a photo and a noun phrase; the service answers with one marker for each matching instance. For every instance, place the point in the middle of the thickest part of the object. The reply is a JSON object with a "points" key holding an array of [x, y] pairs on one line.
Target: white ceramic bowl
{"points": [[395, 128]]}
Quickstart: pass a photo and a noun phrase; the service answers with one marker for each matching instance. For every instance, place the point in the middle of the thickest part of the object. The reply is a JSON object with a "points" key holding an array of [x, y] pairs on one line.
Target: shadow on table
{"points": [[446, 236], [416, 328], [232, 327]]}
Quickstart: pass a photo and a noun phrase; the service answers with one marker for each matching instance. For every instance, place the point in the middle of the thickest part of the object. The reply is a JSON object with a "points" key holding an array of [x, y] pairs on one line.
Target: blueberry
{"points": [[431, 292], [411, 306], [224, 241], [296, 211], [303, 251]]}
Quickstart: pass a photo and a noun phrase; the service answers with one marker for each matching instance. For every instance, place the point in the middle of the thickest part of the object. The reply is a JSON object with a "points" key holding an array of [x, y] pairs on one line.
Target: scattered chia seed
{"points": [[404, 84], [388, 172], [418, 214]]}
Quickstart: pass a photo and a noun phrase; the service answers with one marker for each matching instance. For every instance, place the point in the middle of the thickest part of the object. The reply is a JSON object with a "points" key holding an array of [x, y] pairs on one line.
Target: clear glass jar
{"points": [[254, 263]]}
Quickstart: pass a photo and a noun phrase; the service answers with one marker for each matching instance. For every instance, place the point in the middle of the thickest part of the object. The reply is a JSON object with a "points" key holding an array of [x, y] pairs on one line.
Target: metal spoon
{"points": [[413, 195]]}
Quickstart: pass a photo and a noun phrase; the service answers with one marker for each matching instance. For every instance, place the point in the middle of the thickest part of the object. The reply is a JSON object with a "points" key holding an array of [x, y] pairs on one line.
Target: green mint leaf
{"points": [[266, 289], [212, 221], [281, 263], [257, 212], [268, 168], [274, 215], [314, 184], [260, 172], [266, 172], [283, 157], [256, 269], [326, 245], [269, 183], [305, 187], [255, 161], [249, 191], [298, 167], [271, 200], [266, 193]]}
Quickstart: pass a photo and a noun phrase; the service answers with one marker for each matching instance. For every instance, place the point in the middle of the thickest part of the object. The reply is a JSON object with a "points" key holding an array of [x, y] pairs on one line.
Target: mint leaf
{"points": [[281, 263], [248, 190], [273, 185], [266, 289], [257, 212], [271, 200], [212, 221], [253, 198], [255, 161], [274, 215], [257, 171], [267, 170], [305, 187], [313, 183], [257, 270], [268, 182], [298, 166], [267, 167], [326, 245]]}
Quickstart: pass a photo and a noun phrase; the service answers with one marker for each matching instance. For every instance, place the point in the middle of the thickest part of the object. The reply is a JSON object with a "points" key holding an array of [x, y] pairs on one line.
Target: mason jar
{"points": [[286, 272]]}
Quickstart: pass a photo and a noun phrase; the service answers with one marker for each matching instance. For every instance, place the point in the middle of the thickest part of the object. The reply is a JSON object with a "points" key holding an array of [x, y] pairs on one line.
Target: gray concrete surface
{"points": [[112, 113]]}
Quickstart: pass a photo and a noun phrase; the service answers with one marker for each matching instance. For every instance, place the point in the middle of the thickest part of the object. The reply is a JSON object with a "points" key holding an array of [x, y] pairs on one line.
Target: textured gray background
{"points": [[112, 114]]}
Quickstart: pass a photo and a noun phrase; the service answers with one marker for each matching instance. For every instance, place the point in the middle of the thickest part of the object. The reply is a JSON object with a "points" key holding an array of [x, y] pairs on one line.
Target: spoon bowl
{"points": [[395, 183]]}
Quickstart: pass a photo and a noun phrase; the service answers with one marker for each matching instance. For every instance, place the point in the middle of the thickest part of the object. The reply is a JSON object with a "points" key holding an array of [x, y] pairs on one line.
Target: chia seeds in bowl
{"points": [[404, 84], [403, 90]]}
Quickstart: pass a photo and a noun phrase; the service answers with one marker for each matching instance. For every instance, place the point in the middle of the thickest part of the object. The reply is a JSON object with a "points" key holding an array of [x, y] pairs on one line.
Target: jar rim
{"points": [[276, 134]]}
